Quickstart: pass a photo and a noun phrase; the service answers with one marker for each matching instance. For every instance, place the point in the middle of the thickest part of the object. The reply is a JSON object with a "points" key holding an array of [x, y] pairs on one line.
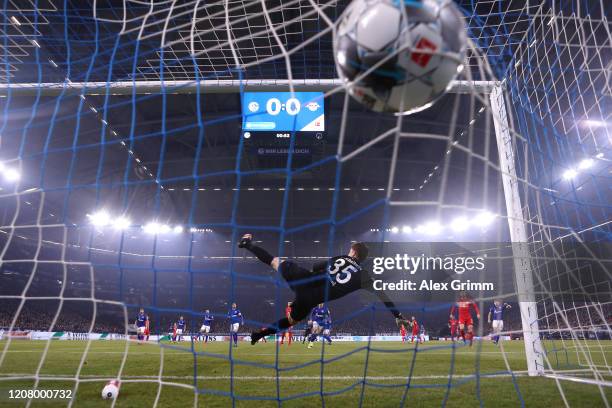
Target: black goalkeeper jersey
{"points": [[344, 275]]}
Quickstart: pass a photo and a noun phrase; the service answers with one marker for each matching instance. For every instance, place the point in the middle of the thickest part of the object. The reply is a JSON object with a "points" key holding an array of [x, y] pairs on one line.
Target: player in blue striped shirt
{"points": [[180, 328], [207, 320], [496, 311], [142, 324], [318, 316], [236, 320]]}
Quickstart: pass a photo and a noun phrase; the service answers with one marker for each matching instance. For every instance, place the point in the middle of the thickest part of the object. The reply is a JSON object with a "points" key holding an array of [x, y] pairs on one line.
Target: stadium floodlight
{"points": [[432, 228], [599, 155], [11, 174], [164, 228], [406, 229], [586, 164], [152, 228], [570, 174], [121, 223], [484, 219], [460, 224], [394, 230], [177, 229], [100, 218]]}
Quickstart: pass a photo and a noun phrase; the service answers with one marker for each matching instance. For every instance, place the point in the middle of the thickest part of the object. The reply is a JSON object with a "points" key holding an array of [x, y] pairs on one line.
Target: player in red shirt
{"points": [[403, 333], [415, 329], [147, 331], [288, 333], [452, 324], [465, 316]]}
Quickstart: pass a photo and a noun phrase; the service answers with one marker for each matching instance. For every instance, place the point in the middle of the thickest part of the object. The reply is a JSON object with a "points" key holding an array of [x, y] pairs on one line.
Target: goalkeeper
{"points": [[328, 280]]}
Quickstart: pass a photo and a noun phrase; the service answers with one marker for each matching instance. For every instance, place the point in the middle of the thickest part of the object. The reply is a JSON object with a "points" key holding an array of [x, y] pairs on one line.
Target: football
{"points": [[399, 56], [110, 390]]}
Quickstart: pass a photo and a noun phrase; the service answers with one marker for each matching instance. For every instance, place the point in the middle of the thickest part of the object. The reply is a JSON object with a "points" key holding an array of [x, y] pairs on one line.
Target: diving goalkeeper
{"points": [[328, 280]]}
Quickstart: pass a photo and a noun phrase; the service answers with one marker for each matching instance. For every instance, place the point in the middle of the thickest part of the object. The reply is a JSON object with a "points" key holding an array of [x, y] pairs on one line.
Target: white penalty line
{"points": [[154, 378], [158, 379], [280, 353]]}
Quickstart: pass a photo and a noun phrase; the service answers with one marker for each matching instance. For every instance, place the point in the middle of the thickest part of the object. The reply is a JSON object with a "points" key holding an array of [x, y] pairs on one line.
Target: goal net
{"points": [[127, 182]]}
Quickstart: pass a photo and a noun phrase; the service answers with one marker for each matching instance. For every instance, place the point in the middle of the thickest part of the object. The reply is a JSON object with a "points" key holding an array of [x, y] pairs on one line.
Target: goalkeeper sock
{"points": [[260, 253]]}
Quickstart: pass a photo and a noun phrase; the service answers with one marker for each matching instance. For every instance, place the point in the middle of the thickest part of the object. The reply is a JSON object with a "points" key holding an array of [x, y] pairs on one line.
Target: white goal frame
{"points": [[68, 87], [523, 273]]}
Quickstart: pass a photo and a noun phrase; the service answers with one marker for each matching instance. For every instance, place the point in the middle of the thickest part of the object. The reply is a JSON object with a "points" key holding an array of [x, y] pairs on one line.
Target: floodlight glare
{"points": [[164, 229], [432, 228], [177, 229], [406, 229], [570, 174], [121, 223], [484, 219], [595, 123], [394, 230], [11, 174], [460, 224], [585, 164], [152, 228], [100, 218]]}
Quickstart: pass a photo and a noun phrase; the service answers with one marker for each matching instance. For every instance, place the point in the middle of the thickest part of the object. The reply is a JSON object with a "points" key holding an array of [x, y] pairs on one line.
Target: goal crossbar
{"points": [[191, 86]]}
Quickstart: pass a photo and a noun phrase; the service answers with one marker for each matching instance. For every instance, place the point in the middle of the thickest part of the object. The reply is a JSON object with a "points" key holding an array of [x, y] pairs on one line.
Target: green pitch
{"points": [[392, 371]]}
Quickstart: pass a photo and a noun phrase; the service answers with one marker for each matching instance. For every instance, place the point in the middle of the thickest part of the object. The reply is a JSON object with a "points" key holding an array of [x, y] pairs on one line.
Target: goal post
{"points": [[523, 273]]}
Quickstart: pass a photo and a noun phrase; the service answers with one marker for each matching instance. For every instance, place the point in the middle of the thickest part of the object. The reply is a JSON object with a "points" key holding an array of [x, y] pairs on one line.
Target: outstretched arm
{"points": [[382, 296]]}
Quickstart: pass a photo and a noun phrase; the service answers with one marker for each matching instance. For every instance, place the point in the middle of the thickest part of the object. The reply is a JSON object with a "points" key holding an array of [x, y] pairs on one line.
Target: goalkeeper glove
{"points": [[245, 242]]}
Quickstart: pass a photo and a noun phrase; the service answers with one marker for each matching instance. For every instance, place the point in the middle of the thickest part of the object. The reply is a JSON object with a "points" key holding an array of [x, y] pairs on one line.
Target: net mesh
{"points": [[536, 78]]}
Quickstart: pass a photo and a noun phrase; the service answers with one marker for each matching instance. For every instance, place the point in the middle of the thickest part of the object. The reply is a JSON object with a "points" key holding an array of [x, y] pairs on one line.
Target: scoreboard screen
{"points": [[283, 111]]}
